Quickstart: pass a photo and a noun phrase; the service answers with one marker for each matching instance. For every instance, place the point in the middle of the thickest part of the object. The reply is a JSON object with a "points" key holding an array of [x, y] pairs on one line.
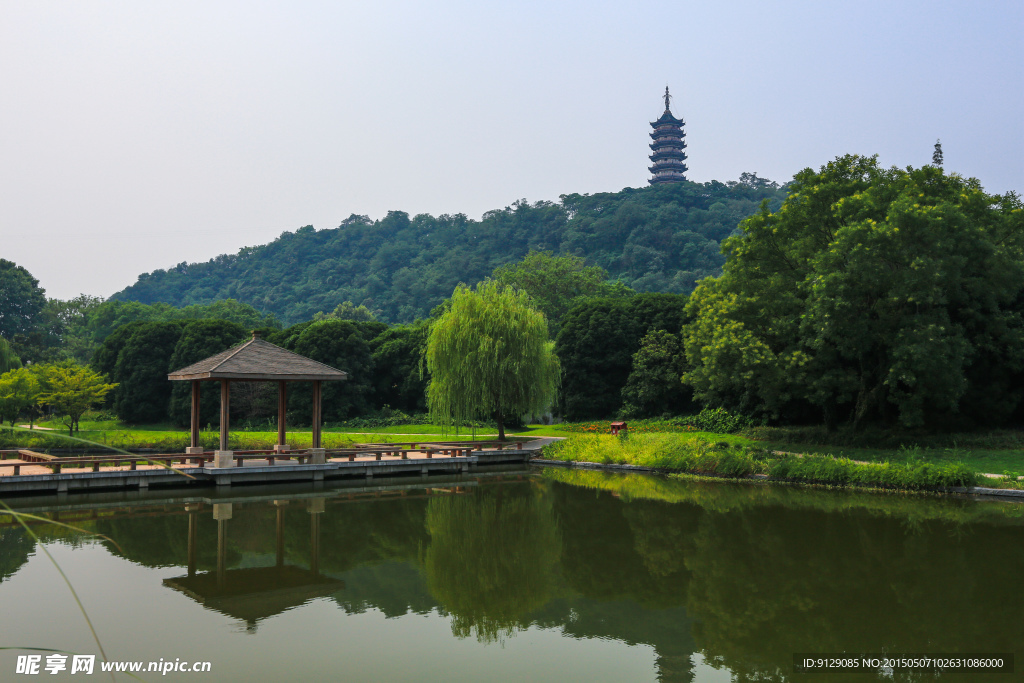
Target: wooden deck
{"points": [[26, 471]]}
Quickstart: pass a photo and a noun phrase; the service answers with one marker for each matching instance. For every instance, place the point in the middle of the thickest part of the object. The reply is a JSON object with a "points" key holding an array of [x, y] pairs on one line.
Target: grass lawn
{"points": [[990, 452], [993, 461], [167, 438]]}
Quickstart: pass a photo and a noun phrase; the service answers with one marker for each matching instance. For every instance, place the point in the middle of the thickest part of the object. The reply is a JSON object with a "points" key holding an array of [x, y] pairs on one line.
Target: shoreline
{"points": [[764, 478]]}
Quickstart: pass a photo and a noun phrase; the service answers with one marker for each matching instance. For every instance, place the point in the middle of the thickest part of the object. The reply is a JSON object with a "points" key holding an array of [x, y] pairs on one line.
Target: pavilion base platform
{"points": [[284, 471], [223, 459]]}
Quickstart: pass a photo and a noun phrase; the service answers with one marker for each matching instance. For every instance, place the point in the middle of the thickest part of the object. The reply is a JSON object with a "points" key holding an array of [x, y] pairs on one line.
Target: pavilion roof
{"points": [[258, 360], [255, 593]]}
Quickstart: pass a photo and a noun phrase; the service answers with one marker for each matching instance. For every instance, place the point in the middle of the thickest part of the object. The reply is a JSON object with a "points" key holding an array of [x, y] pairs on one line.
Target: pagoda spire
{"points": [[668, 147]]}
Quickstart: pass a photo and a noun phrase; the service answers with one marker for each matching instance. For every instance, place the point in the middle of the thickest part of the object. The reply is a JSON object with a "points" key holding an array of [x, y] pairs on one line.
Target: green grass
{"points": [[993, 452], [171, 440], [692, 454], [684, 452]]}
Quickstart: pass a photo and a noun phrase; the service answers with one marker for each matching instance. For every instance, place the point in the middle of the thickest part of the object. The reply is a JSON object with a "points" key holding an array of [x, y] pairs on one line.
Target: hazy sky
{"points": [[136, 135]]}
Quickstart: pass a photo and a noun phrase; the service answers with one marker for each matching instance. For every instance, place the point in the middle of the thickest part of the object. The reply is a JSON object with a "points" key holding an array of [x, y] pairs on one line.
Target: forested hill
{"points": [[660, 238]]}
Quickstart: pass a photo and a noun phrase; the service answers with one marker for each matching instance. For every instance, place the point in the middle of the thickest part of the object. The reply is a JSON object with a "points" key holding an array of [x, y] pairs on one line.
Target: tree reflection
{"points": [[771, 582], [492, 558], [15, 548], [746, 575]]}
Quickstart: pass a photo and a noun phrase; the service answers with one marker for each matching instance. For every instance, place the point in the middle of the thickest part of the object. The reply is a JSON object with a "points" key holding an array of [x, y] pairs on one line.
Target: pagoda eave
{"points": [[667, 119]]}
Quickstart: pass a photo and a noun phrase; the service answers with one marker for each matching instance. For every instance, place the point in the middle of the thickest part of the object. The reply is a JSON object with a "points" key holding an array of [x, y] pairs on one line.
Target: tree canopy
{"points": [[199, 339], [489, 356], [873, 293], [555, 282], [71, 389], [345, 345], [21, 303], [141, 368], [654, 386], [8, 358], [658, 238], [19, 390], [596, 345]]}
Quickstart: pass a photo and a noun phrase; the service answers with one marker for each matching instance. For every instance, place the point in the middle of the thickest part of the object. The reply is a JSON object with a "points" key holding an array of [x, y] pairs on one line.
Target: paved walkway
{"points": [[540, 442]]}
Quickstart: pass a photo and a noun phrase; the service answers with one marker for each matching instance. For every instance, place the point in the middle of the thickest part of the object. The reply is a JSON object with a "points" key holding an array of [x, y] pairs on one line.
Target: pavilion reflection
{"points": [[254, 593]]}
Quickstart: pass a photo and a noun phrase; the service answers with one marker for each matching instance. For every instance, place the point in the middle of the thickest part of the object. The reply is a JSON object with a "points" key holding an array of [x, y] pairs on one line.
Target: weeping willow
{"points": [[489, 355], [8, 358]]}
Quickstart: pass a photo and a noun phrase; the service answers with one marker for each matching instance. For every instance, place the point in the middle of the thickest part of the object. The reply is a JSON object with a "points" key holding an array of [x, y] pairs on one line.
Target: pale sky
{"points": [[136, 135]]}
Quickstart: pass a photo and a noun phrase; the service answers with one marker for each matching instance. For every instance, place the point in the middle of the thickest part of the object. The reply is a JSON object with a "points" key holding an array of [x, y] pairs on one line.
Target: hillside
{"points": [[660, 238]]}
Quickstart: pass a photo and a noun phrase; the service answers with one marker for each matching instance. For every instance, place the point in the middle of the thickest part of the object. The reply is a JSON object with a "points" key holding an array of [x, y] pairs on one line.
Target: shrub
{"points": [[718, 420], [914, 475]]}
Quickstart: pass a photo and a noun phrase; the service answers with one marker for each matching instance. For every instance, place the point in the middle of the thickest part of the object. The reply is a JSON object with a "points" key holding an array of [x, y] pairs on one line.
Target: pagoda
{"points": [[668, 157]]}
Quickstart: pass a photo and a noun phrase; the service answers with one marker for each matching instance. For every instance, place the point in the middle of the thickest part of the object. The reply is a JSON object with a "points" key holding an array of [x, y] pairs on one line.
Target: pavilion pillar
{"points": [[194, 441], [193, 534], [222, 513], [223, 457], [225, 411], [282, 410], [316, 508], [279, 504], [317, 412]]}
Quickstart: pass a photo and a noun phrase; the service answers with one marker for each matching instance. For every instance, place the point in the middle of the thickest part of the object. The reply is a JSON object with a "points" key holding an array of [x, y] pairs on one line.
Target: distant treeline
{"points": [[383, 362], [661, 238]]}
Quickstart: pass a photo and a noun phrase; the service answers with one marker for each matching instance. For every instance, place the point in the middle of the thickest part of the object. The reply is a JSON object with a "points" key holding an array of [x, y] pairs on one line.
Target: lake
{"points": [[540, 575]]}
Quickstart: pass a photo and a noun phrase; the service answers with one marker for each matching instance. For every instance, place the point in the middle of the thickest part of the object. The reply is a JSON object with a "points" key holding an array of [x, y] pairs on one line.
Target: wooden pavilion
{"points": [[256, 360]]}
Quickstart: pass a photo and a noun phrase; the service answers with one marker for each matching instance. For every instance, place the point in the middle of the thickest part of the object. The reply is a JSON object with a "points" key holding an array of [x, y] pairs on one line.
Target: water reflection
{"points": [[254, 593], [745, 575], [492, 557]]}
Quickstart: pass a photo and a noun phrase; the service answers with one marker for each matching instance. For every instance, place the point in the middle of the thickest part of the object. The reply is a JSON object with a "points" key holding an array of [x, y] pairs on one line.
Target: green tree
{"points": [[937, 154], [71, 323], [200, 339], [143, 390], [229, 310], [71, 389], [871, 294], [8, 358], [398, 355], [489, 355], [21, 305], [596, 346], [19, 391], [658, 238], [555, 282], [655, 383], [103, 318], [341, 344], [346, 310]]}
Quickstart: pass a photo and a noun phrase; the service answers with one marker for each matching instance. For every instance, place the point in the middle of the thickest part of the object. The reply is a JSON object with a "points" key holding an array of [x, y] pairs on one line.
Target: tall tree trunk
{"points": [[829, 411], [501, 425]]}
